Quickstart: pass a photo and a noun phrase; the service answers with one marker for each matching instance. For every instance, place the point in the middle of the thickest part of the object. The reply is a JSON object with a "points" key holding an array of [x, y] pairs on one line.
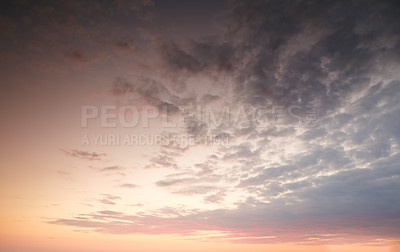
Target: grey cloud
{"points": [[142, 9], [270, 173], [110, 213], [299, 78], [91, 156], [298, 185], [209, 98], [76, 57], [121, 223], [121, 87], [112, 168], [279, 132], [242, 151], [312, 134], [215, 198], [190, 183], [146, 91], [218, 55], [128, 185], [109, 199], [124, 45], [178, 59], [205, 169], [128, 47], [163, 160], [192, 190], [370, 192], [199, 56], [196, 127], [175, 181]]}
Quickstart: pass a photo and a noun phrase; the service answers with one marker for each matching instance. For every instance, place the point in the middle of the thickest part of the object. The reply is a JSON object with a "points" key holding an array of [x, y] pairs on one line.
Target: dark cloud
{"points": [[76, 57], [196, 127], [178, 59], [289, 57], [128, 48], [293, 69], [199, 56], [142, 9], [124, 45]]}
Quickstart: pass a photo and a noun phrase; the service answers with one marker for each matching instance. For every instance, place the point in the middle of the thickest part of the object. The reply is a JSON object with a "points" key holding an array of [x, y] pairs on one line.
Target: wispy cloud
{"points": [[112, 168], [128, 185], [109, 199], [86, 155]]}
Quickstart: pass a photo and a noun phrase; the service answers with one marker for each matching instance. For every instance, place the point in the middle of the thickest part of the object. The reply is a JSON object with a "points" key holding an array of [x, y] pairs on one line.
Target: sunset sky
{"points": [[175, 126]]}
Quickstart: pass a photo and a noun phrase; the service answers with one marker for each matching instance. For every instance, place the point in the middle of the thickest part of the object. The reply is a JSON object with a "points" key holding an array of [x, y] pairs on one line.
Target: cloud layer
{"points": [[323, 168]]}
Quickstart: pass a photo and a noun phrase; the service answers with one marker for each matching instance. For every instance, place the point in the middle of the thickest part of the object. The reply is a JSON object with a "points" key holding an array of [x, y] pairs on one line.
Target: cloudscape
{"points": [[156, 126]]}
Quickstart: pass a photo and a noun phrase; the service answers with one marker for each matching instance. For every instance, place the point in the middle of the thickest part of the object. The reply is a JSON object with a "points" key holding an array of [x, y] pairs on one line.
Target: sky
{"points": [[154, 126]]}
